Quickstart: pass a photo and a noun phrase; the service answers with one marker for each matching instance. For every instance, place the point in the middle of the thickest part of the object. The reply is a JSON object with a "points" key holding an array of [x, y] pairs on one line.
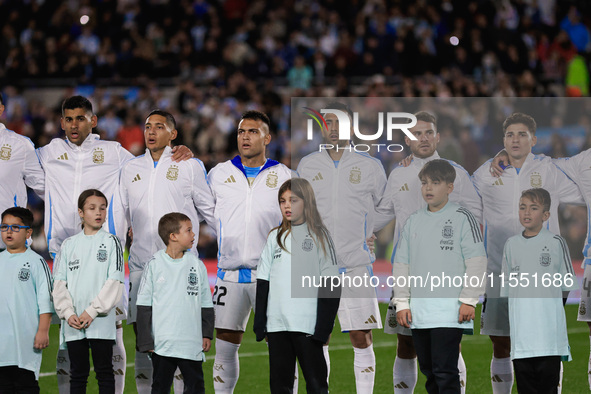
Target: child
{"points": [[88, 284], [175, 311], [536, 270], [439, 241], [25, 305], [296, 325]]}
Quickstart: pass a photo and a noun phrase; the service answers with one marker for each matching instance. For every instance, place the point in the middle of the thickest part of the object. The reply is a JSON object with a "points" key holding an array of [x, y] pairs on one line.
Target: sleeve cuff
{"points": [[469, 301], [91, 312], [401, 304]]}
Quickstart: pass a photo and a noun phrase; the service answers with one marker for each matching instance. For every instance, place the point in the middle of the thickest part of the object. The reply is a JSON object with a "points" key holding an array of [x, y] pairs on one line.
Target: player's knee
{"points": [[360, 338], [231, 336], [406, 347]]}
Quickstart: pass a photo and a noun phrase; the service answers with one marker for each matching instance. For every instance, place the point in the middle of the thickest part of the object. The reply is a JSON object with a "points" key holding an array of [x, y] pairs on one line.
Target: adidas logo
{"points": [[404, 188], [496, 378], [371, 320], [462, 383], [179, 376], [63, 157], [401, 385], [161, 280], [230, 179], [498, 182], [118, 311], [118, 372], [368, 370], [62, 372], [318, 177], [218, 379], [137, 178], [141, 376]]}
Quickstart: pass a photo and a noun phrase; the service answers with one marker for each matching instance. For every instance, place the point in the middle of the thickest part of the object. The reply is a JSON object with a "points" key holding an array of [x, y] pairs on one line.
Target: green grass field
{"points": [[254, 368]]}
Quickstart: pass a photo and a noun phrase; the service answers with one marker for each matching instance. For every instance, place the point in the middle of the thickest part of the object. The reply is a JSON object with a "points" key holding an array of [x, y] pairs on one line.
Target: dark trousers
{"points": [[163, 375], [15, 380], [284, 348], [438, 350], [102, 359], [539, 375]]}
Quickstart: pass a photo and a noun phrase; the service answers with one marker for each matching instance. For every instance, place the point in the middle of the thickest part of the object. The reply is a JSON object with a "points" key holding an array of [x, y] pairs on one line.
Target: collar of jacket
{"points": [[237, 161]]}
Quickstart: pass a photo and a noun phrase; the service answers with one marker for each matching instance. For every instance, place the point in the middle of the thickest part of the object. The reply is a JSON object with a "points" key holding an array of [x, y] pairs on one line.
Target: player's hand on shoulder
{"points": [[41, 340], [181, 153], [206, 344], [404, 318], [466, 313], [406, 161], [502, 158]]}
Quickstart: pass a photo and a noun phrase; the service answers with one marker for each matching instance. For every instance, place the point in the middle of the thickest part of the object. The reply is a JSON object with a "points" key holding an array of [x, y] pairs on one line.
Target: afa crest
{"points": [[98, 156], [102, 254], [272, 180], [173, 173], [307, 245], [192, 283], [5, 152], [355, 175], [582, 308], [535, 180], [25, 273], [545, 259], [448, 230]]}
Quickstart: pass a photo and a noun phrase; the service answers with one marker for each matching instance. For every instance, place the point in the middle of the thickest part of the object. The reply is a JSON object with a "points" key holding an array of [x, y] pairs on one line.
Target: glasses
{"points": [[14, 228]]}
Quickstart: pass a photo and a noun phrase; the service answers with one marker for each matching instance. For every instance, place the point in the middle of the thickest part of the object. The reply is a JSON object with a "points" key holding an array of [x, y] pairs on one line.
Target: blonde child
{"points": [[296, 320], [88, 282]]}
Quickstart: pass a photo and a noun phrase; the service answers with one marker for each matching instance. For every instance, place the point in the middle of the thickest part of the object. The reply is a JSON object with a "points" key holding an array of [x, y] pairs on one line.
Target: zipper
{"points": [[151, 196]]}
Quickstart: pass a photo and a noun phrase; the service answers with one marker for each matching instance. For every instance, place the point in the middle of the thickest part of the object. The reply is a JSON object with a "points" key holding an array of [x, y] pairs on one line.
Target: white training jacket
{"points": [[244, 215], [500, 200], [150, 190], [346, 195], [69, 170], [578, 168], [19, 166], [403, 195]]}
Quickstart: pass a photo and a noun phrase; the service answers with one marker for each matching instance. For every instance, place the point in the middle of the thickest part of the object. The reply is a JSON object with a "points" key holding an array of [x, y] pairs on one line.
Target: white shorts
{"points": [[585, 303], [358, 309], [135, 278], [391, 325], [232, 303], [494, 318]]}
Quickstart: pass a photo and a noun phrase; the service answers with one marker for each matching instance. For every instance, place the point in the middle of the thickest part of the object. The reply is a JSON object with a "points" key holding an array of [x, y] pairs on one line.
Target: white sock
{"points": [[296, 379], [327, 359], [501, 375], [364, 365], [588, 367], [405, 375], [463, 374], [143, 373], [559, 391], [62, 369], [177, 383], [226, 367], [119, 362]]}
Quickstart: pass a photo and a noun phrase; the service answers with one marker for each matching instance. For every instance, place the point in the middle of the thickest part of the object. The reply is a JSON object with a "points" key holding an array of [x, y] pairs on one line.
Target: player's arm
{"points": [[400, 273], [112, 289], [568, 191], [468, 194], [262, 294], [202, 195], [329, 295], [43, 288], [34, 174], [506, 270], [472, 246], [207, 313], [145, 337], [385, 212], [567, 273], [62, 299]]}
